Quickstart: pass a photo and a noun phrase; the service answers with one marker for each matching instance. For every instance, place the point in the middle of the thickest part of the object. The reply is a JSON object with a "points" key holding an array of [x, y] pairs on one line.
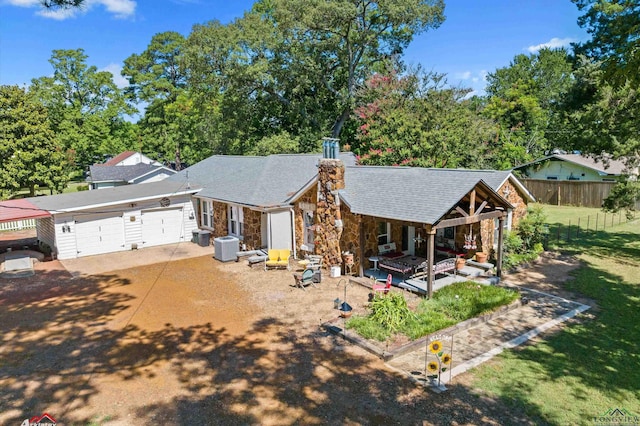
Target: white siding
{"points": [[46, 233], [65, 242], [154, 176]]}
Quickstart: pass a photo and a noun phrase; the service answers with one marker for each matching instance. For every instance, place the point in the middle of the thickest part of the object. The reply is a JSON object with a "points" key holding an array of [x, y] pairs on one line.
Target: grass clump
{"points": [[452, 304]]}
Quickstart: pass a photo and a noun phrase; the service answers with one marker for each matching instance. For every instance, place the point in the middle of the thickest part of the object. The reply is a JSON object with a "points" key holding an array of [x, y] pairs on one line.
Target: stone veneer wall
{"points": [[328, 235], [220, 223], [351, 235], [487, 227], [310, 198], [252, 229], [252, 235], [517, 200]]}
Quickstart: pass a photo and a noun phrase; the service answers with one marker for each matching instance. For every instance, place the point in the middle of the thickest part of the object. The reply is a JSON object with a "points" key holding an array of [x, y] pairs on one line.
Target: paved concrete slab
{"points": [[100, 264]]}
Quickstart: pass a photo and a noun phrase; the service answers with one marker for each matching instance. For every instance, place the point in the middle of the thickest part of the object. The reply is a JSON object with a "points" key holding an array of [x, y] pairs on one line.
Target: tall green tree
{"points": [[607, 105], [415, 120], [614, 26], [30, 156], [63, 4], [158, 79], [603, 120], [295, 65], [524, 99], [86, 109]]}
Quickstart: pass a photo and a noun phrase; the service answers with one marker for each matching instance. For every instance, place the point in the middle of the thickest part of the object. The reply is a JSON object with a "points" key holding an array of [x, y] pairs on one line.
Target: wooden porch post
{"points": [[362, 243], [430, 252], [500, 242]]}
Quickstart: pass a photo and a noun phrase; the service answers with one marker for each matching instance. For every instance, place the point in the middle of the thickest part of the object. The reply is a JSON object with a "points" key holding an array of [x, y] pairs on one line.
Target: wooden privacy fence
{"points": [[18, 225], [569, 192]]}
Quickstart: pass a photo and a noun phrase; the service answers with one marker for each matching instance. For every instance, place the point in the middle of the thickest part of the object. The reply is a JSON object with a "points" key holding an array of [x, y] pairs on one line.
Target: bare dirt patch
{"points": [[195, 341]]}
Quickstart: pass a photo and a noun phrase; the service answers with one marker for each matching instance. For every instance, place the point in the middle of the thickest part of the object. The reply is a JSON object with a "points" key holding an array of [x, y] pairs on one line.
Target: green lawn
{"points": [[588, 367], [71, 187]]}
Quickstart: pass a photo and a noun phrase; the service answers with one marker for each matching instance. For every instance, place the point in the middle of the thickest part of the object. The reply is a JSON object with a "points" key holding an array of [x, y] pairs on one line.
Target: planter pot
{"points": [[348, 259], [481, 257], [460, 262]]}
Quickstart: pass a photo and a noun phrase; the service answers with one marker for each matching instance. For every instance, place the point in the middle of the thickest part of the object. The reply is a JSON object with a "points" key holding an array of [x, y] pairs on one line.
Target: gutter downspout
{"points": [[293, 228], [268, 231]]}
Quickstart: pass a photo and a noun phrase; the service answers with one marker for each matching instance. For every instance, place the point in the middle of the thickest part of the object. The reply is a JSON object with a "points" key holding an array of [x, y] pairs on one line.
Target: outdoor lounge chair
{"points": [[277, 259], [378, 287], [304, 279], [315, 261]]}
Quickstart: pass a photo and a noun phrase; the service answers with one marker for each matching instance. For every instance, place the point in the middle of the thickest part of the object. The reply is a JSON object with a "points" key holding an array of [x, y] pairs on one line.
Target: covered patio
{"points": [[446, 215]]}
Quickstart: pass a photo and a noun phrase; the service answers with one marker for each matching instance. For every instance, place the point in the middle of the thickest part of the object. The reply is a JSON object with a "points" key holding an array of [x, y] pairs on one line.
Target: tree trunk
{"points": [[339, 123]]}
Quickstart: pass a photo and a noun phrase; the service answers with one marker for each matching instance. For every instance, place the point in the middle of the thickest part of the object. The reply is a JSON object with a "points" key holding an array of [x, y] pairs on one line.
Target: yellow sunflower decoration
{"points": [[446, 359], [432, 366], [435, 346]]}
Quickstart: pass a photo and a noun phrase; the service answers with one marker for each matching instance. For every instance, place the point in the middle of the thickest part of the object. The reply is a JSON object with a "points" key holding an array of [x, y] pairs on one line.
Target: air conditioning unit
{"points": [[225, 248]]}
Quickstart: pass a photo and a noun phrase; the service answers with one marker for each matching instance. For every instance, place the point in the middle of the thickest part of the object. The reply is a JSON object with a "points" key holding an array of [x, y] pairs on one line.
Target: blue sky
{"points": [[477, 37]]}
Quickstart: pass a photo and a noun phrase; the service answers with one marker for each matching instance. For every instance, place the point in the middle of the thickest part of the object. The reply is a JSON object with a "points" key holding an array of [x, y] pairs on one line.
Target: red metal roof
{"points": [[19, 209]]}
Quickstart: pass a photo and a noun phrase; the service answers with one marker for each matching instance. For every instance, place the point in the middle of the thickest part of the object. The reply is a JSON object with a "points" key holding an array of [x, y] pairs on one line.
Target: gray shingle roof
{"points": [[255, 181], [102, 173], [110, 196], [412, 194]]}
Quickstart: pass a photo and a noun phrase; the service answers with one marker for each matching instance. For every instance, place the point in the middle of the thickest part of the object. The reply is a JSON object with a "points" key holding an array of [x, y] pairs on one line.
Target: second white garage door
{"points": [[99, 233], [163, 226]]}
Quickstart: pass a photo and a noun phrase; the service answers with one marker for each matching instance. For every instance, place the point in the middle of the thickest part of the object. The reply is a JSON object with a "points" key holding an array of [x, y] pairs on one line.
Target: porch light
{"points": [[419, 240]]}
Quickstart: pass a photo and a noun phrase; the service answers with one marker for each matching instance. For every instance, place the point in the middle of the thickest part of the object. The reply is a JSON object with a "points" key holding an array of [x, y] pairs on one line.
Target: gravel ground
{"points": [[195, 341]]}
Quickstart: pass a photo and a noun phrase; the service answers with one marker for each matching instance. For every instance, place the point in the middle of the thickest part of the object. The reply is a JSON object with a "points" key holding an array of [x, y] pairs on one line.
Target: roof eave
{"points": [[131, 200]]}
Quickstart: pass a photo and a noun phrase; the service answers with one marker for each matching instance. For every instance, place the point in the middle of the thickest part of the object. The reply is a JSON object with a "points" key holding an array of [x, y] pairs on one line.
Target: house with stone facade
{"points": [[308, 203], [328, 206]]}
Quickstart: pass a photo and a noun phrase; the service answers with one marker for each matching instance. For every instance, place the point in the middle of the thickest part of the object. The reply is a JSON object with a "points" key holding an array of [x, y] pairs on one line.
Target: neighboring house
{"points": [[300, 202], [572, 179], [572, 167], [105, 176], [130, 158]]}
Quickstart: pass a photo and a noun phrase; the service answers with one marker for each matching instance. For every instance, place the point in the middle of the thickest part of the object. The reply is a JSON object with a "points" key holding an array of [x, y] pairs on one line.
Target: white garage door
{"points": [[163, 226], [99, 233]]}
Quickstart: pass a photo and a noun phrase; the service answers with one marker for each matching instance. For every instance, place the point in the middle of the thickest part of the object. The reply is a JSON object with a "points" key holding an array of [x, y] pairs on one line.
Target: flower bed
{"points": [[391, 322]]}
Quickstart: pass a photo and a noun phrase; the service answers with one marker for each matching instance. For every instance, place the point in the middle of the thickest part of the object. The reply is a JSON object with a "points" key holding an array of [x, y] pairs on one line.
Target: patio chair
{"points": [[315, 262], [378, 287], [304, 279]]}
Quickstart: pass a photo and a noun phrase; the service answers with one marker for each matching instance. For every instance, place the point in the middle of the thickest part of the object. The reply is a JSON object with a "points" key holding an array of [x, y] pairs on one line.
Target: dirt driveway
{"points": [[194, 341]]}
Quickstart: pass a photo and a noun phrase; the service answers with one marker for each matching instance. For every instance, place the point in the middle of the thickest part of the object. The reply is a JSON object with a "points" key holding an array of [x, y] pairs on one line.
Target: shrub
{"points": [[532, 229], [390, 311]]}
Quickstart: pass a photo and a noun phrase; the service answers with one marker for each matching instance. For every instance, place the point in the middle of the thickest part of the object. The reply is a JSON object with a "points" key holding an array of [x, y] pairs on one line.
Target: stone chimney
{"points": [[328, 217]]}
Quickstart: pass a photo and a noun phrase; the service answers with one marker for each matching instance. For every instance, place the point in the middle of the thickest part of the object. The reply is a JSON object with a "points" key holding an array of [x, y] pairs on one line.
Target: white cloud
{"points": [[118, 8], [22, 3], [57, 14], [465, 75], [554, 43], [118, 79]]}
